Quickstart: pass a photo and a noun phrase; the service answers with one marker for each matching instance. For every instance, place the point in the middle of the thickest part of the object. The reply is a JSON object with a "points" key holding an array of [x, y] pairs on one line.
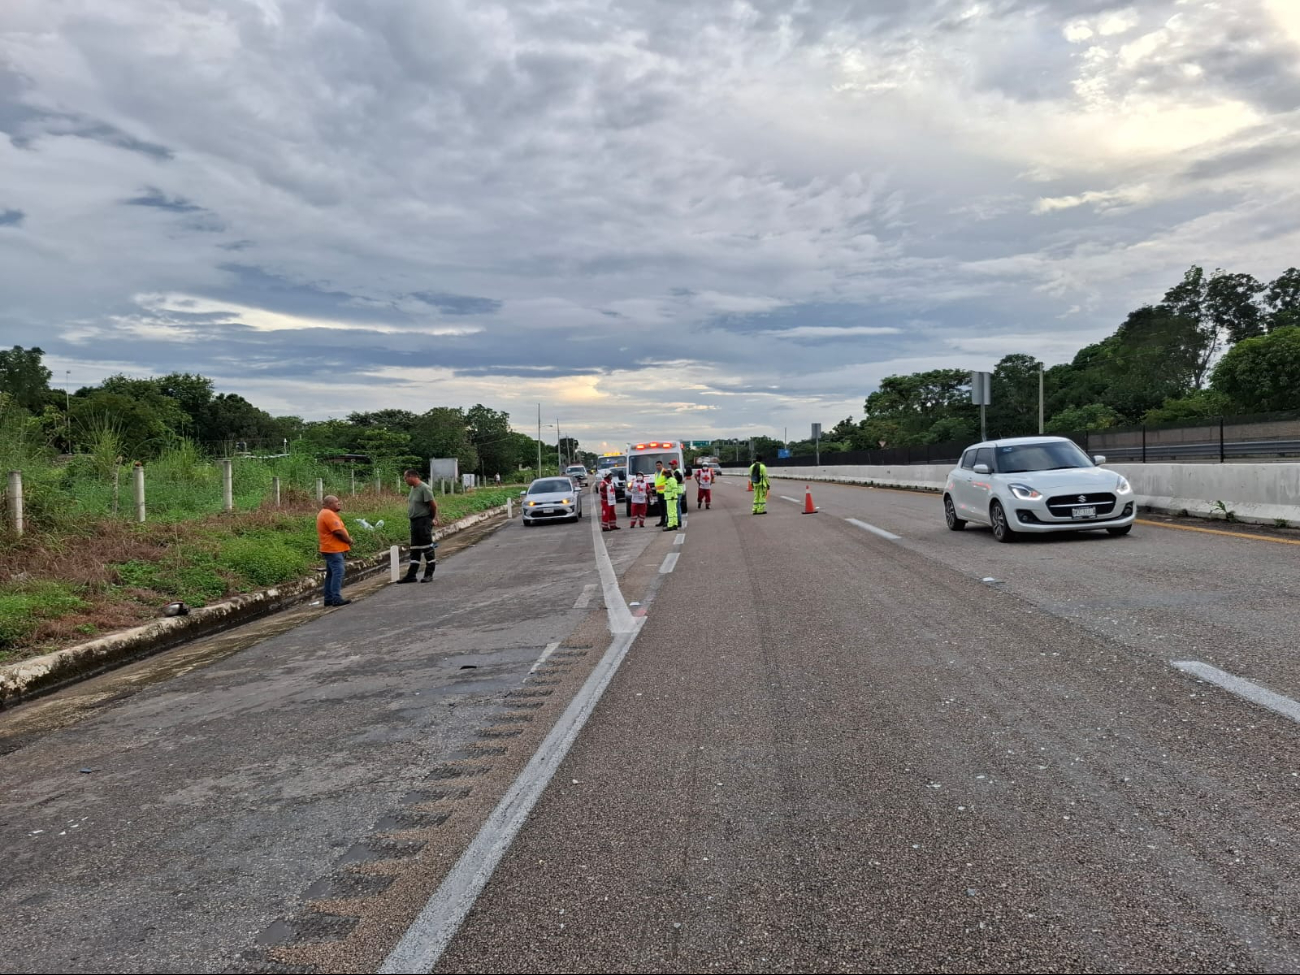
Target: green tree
{"points": [[1262, 374], [1224, 307], [24, 377], [905, 408], [141, 426], [1093, 416], [1196, 406], [489, 434], [1014, 410], [1283, 299]]}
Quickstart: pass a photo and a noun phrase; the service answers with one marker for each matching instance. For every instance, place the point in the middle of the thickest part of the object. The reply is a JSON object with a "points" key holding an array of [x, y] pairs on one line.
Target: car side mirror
{"points": [[982, 469], [1099, 459], [522, 493]]}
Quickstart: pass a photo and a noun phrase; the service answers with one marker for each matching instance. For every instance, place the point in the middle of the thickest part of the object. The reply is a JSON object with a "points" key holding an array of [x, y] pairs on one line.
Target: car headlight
{"points": [[1123, 487], [532, 504], [1024, 492]]}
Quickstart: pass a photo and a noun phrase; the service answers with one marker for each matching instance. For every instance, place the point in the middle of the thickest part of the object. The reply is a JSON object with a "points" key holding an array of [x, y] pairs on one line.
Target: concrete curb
{"points": [[41, 675]]}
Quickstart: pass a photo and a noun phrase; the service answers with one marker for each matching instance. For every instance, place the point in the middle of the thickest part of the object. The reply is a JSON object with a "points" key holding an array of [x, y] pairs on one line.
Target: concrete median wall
{"points": [[1258, 493]]}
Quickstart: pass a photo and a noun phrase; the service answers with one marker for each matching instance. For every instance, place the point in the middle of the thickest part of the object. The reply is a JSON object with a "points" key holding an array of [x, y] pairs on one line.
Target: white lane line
{"points": [[785, 497], [670, 562], [1241, 687], [550, 649], [873, 529], [679, 540], [428, 936], [620, 617], [584, 600]]}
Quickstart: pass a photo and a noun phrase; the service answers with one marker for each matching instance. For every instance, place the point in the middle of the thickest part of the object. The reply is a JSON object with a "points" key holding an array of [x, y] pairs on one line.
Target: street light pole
{"points": [[539, 439]]}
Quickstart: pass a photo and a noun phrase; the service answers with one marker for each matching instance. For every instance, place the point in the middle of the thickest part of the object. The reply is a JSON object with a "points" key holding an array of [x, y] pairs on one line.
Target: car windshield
{"points": [[645, 463], [1052, 456], [554, 485], [620, 472]]}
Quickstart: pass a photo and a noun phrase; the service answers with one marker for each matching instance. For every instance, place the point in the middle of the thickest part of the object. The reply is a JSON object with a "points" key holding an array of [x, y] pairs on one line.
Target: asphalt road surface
{"points": [[825, 750]]}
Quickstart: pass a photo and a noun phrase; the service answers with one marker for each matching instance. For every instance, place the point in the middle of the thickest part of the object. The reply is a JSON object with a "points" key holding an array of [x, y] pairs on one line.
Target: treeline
{"points": [[141, 419], [1218, 343]]}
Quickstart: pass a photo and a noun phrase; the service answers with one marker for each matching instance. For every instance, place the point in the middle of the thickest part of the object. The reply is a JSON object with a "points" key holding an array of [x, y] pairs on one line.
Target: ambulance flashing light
{"points": [[654, 443]]}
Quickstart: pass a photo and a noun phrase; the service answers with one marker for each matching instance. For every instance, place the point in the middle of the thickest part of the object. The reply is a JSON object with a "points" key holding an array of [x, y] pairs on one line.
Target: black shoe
{"points": [[341, 602], [407, 579]]}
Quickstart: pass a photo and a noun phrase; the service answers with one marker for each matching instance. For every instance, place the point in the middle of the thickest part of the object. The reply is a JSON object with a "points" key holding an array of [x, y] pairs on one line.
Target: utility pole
{"points": [[1040, 399], [559, 445], [539, 439], [67, 406]]}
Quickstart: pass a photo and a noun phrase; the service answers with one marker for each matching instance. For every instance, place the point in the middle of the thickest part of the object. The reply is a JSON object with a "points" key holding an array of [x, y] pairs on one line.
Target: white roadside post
{"points": [[320, 490], [275, 482], [16, 499], [138, 475], [227, 485], [395, 563]]}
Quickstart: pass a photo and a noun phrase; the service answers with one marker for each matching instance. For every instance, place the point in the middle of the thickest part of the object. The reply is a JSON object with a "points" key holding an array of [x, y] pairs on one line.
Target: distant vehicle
{"points": [[1035, 485], [641, 459], [578, 472], [612, 458], [550, 499]]}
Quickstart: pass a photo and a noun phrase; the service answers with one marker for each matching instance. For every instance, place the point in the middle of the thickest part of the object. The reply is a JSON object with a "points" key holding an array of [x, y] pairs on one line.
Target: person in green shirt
{"points": [[758, 477], [422, 509]]}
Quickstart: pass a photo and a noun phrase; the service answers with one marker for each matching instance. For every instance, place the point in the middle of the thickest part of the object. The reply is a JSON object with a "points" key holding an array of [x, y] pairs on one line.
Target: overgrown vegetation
{"points": [[75, 576]]}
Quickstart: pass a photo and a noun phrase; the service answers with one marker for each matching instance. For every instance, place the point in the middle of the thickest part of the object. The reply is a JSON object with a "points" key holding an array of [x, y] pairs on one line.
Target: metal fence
{"points": [[1220, 439]]}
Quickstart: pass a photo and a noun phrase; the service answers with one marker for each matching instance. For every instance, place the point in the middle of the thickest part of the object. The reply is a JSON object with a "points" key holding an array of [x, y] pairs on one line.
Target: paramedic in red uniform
{"points": [[608, 504], [704, 483]]}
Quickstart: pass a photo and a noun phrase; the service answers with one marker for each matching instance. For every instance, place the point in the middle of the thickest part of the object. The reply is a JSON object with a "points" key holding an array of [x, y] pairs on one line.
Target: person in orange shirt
{"points": [[334, 543]]}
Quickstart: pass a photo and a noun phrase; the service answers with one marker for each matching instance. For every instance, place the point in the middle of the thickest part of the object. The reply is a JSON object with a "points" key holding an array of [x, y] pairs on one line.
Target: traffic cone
{"points": [[749, 485], [808, 507]]}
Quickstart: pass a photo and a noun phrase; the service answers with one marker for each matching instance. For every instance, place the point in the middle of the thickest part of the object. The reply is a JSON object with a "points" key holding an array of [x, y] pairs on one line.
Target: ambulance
{"points": [[641, 459]]}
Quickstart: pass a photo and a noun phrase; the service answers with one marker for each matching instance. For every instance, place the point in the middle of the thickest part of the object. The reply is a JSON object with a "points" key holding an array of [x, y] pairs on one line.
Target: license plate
{"points": [[1085, 512]]}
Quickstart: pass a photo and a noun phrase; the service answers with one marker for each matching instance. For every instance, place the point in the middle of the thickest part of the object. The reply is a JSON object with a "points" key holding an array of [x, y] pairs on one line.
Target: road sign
{"points": [[816, 431]]}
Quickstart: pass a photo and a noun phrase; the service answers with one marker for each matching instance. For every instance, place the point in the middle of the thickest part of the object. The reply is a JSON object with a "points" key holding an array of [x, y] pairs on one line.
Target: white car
{"points": [[1036, 484], [550, 499]]}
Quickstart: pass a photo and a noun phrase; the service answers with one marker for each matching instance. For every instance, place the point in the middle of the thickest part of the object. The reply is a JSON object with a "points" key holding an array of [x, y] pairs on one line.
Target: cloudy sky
{"points": [[687, 218]]}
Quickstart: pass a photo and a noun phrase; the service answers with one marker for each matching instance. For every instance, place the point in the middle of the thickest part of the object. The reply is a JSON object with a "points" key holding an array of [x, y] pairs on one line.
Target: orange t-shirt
{"points": [[328, 522]]}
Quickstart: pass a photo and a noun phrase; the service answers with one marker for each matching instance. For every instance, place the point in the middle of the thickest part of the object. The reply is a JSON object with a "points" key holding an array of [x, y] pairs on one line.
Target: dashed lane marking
{"points": [[679, 540], [670, 562], [1241, 687], [584, 599], [790, 499], [550, 649], [873, 529]]}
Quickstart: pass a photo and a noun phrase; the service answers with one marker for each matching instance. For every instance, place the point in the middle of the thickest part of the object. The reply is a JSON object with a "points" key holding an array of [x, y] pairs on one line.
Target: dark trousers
{"points": [[422, 544]]}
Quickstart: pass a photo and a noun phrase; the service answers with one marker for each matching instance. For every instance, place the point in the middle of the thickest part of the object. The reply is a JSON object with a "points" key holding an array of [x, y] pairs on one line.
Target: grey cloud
{"points": [[1248, 159], [154, 197], [11, 218], [458, 304]]}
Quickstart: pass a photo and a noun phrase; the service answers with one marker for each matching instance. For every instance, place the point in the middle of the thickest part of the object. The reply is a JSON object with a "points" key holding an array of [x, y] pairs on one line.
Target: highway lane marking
{"points": [[873, 529], [791, 500], [922, 491], [1218, 531], [670, 562], [550, 649], [584, 600], [1241, 687], [679, 540], [432, 931]]}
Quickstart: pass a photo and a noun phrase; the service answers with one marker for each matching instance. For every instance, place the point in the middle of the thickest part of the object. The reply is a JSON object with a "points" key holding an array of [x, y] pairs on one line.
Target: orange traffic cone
{"points": [[749, 485], [808, 507]]}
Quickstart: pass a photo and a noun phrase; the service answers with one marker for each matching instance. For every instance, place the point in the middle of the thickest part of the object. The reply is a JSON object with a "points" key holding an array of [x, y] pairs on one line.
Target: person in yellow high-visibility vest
{"points": [[661, 478], [758, 478], [673, 490]]}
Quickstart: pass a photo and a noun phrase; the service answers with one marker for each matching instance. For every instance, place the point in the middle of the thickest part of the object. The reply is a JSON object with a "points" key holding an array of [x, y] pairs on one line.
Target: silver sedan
{"points": [[551, 499]]}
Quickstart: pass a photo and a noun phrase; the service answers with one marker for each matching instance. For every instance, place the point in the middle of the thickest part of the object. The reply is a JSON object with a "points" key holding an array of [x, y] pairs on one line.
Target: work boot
{"points": [[412, 571]]}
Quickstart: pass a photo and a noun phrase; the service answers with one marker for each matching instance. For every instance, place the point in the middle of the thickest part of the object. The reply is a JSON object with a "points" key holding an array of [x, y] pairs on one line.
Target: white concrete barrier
{"points": [[1257, 493]]}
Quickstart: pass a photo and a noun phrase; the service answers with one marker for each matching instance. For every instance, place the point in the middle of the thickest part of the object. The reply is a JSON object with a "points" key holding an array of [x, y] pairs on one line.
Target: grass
{"points": [[73, 578], [23, 607]]}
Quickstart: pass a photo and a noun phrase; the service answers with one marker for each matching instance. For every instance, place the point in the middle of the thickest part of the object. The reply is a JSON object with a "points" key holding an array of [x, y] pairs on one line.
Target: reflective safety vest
{"points": [[661, 477]]}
